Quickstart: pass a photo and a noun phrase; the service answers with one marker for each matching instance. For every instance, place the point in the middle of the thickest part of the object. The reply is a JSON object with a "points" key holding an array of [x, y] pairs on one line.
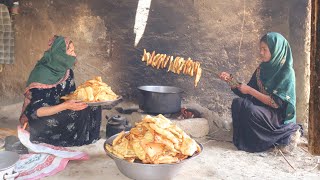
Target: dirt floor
{"points": [[219, 160]]}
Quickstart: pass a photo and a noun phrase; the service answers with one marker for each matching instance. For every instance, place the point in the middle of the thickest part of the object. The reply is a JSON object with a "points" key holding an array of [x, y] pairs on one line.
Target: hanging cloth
{"points": [[6, 36]]}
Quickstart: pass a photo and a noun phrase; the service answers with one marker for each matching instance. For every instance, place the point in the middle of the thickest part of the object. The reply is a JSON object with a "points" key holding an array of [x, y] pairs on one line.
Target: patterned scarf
{"points": [[277, 75], [51, 70], [54, 64]]}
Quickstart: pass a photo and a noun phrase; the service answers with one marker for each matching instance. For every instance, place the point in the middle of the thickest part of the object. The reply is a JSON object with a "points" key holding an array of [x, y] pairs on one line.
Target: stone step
{"points": [[195, 127]]}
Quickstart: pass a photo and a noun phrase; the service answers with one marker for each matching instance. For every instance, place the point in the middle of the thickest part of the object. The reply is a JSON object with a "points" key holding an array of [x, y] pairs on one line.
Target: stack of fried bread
{"points": [[176, 65], [93, 90], [154, 140]]}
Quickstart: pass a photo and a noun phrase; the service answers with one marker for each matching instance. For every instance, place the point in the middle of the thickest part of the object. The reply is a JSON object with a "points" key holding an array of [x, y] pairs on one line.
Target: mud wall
{"points": [[222, 35]]}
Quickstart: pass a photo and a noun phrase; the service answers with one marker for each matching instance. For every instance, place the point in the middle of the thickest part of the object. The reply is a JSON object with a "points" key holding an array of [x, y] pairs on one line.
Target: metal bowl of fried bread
{"points": [[154, 149]]}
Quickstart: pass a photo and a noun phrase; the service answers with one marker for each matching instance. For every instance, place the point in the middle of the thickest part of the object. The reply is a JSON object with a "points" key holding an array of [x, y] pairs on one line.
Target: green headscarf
{"points": [[278, 75], [53, 65]]}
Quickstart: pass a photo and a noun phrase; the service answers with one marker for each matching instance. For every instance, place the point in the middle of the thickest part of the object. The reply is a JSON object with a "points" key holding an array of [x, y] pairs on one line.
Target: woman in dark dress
{"points": [[51, 120], [265, 114]]}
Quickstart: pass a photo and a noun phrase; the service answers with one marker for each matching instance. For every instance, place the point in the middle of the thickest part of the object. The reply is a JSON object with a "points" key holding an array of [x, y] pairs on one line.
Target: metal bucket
{"points": [[160, 99]]}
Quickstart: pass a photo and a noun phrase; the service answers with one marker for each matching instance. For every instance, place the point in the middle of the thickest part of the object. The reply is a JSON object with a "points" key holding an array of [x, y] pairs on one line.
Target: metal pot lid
{"points": [[8, 159], [161, 89]]}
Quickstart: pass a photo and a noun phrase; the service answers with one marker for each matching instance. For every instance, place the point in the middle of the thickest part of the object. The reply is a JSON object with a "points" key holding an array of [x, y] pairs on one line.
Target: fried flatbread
{"points": [[176, 65]]}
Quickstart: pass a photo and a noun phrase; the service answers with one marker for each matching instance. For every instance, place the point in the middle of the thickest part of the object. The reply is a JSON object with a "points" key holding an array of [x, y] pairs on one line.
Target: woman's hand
{"points": [[71, 105], [225, 76], [74, 105], [228, 78], [244, 89]]}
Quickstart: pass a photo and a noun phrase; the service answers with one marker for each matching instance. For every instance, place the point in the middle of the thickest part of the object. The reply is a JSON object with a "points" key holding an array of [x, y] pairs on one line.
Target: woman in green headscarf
{"points": [[49, 119], [265, 114]]}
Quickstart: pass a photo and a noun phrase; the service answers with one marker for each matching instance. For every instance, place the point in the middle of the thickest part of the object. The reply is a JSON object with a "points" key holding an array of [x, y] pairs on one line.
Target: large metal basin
{"points": [[140, 171], [160, 99]]}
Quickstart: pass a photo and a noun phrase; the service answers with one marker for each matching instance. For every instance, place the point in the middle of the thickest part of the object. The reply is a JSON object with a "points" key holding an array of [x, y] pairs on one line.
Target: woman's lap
{"points": [[67, 128], [257, 128]]}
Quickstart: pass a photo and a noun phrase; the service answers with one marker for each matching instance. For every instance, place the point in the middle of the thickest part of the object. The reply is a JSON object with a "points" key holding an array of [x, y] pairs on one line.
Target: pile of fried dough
{"points": [[93, 90], [176, 65], [154, 140]]}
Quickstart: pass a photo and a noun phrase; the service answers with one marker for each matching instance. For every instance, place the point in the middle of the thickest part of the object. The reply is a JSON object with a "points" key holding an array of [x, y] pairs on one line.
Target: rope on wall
{"points": [[242, 26]]}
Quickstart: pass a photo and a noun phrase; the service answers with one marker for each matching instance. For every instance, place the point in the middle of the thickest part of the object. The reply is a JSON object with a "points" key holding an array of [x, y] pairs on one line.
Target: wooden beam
{"points": [[314, 111]]}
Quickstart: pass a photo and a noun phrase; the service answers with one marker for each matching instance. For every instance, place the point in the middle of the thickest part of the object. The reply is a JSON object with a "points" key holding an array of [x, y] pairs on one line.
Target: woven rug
{"points": [[45, 160]]}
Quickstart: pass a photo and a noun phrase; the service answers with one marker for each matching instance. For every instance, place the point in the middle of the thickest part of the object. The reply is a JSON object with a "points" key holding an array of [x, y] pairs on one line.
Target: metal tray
{"points": [[104, 103]]}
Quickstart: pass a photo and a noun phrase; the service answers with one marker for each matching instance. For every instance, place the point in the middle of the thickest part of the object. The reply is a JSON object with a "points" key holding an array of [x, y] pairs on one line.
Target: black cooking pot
{"points": [[116, 124], [160, 99]]}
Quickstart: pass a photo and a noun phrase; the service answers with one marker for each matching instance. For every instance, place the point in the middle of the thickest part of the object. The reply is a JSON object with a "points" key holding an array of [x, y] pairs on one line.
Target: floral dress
{"points": [[66, 128]]}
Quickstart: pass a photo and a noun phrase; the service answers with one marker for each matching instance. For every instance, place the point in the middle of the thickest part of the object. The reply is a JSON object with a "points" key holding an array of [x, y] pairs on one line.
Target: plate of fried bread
{"points": [[104, 103], [94, 92]]}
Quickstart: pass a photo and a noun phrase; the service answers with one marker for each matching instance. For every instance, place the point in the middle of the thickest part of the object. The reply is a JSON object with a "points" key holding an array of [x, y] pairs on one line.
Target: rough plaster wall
{"points": [[205, 30], [300, 20]]}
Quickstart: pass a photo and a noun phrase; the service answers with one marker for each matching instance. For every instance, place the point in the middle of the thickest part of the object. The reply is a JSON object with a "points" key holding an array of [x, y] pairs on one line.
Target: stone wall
{"points": [[222, 35]]}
